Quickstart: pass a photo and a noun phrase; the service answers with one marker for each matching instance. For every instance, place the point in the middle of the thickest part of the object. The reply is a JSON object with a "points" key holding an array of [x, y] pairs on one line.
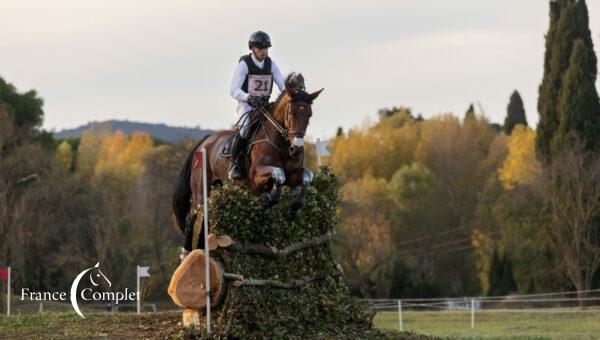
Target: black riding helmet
{"points": [[259, 39]]}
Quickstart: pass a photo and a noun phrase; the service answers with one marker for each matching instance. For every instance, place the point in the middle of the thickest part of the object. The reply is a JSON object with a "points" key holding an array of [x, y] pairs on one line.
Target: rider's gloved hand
{"points": [[257, 101]]}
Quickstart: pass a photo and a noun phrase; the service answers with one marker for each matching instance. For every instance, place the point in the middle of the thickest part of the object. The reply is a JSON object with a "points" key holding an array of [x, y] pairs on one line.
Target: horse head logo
{"points": [[95, 276]]}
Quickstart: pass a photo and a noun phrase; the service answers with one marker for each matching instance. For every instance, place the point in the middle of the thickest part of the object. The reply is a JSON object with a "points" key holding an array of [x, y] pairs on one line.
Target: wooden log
{"points": [[229, 243], [287, 285], [230, 276], [224, 241], [191, 318], [187, 286], [212, 242], [198, 226]]}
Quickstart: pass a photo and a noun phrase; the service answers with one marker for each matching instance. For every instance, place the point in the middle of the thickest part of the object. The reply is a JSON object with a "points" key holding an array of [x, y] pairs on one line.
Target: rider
{"points": [[251, 86]]}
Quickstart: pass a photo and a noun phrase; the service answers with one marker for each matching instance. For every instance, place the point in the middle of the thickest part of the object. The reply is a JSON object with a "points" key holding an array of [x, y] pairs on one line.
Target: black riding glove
{"points": [[257, 101]]}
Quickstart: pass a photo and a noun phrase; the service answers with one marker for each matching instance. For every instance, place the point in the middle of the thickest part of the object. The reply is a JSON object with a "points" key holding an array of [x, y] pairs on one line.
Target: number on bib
{"points": [[260, 85]]}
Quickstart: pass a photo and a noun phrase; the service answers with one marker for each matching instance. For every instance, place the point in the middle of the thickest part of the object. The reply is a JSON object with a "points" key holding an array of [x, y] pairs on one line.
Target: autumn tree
{"points": [[64, 155], [572, 211], [364, 236], [379, 149], [521, 165]]}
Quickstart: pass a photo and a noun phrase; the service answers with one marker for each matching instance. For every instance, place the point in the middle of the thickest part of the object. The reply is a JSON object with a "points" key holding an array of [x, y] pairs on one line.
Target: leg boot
{"points": [[236, 146]]}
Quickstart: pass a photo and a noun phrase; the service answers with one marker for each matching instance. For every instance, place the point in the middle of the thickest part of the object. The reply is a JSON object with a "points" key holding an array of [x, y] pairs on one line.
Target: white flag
{"points": [[322, 148], [143, 271]]}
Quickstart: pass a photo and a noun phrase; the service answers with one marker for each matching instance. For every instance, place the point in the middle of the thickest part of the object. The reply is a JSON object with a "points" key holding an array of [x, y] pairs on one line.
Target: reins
{"points": [[282, 131]]}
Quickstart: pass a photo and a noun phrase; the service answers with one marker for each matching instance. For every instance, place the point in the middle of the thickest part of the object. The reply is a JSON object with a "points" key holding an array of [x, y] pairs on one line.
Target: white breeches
{"points": [[244, 125]]}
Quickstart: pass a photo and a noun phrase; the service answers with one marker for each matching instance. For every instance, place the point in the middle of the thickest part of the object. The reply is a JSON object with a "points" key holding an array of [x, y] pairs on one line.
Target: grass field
{"points": [[543, 324], [448, 325]]}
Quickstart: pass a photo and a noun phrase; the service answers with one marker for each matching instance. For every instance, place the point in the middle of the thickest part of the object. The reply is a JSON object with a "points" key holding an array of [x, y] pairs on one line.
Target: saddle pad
{"points": [[226, 149]]}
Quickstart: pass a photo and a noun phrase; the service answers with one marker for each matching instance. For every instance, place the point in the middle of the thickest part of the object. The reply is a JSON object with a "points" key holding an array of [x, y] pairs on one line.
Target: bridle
{"points": [[283, 131]]}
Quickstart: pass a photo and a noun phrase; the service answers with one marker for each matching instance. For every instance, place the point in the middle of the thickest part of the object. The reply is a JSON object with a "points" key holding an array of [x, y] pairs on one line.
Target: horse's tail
{"points": [[183, 190]]}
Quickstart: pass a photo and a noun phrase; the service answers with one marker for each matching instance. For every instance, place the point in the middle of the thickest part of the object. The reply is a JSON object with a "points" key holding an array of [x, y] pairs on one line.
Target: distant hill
{"points": [[164, 132]]}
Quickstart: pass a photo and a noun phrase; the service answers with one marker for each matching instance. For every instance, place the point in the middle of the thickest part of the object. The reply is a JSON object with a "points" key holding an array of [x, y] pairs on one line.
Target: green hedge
{"points": [[319, 308]]}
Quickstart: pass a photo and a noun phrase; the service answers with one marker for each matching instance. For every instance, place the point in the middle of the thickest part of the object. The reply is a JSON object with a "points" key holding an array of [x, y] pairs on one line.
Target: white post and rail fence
{"points": [[563, 302]]}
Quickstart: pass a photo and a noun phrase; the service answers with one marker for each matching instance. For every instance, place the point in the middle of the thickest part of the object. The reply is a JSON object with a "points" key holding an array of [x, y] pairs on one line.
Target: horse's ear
{"points": [[314, 95]]}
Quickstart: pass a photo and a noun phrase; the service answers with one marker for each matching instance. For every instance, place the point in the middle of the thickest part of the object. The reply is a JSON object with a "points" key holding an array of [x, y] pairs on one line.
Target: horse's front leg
{"points": [[303, 178], [264, 174]]}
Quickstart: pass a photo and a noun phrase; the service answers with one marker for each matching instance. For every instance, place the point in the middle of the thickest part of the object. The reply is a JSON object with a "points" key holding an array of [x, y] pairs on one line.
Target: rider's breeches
{"points": [[245, 125]]}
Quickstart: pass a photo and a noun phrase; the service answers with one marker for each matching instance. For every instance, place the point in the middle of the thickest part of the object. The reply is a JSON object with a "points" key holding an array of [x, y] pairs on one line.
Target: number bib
{"points": [[260, 85]]}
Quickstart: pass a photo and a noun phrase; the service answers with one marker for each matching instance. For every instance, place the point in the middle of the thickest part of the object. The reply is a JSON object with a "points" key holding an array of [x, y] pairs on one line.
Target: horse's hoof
{"points": [[290, 213]]}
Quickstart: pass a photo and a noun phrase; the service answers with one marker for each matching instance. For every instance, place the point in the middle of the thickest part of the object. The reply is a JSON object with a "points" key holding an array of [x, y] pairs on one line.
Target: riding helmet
{"points": [[259, 39]]}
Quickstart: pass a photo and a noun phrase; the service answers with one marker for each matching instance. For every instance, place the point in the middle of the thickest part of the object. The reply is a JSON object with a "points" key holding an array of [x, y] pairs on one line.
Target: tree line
{"points": [[429, 207], [445, 206]]}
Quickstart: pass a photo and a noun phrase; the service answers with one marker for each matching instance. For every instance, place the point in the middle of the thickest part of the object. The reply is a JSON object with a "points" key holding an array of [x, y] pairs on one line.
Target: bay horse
{"points": [[274, 158]]}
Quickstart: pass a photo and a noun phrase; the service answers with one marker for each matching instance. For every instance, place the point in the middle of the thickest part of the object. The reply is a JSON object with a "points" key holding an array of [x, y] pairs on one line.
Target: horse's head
{"points": [[297, 110]]}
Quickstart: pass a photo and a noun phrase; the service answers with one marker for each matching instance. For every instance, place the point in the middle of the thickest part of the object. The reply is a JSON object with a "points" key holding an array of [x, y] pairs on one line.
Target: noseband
{"points": [[296, 134]]}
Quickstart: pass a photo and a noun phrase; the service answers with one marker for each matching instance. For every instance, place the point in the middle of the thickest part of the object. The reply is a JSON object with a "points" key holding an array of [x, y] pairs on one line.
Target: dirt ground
{"points": [[162, 325]]}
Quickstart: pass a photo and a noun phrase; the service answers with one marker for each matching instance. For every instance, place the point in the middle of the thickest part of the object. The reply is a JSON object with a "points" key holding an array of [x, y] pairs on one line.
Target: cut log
{"points": [[224, 241], [198, 226], [191, 318], [212, 242], [187, 284]]}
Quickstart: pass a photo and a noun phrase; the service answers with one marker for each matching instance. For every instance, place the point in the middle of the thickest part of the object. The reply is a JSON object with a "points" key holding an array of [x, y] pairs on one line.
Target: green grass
{"points": [[541, 324]]}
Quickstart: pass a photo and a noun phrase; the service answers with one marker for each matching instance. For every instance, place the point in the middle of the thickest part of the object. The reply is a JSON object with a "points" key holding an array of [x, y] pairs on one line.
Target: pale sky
{"points": [[172, 61]]}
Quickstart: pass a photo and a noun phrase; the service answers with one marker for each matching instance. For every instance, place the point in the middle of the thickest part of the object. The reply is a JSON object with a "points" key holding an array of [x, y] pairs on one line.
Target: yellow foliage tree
{"points": [[64, 155], [484, 247], [379, 150], [521, 165], [121, 155], [87, 152]]}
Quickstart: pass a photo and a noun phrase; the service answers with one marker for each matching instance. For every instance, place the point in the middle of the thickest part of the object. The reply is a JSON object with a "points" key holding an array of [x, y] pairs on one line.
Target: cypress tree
{"points": [[508, 280], [531, 286], [549, 87], [579, 105], [495, 276], [569, 23], [515, 113], [470, 114]]}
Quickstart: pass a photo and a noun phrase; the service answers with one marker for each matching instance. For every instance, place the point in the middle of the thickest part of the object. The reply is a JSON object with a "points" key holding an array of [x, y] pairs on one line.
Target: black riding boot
{"points": [[236, 146]]}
